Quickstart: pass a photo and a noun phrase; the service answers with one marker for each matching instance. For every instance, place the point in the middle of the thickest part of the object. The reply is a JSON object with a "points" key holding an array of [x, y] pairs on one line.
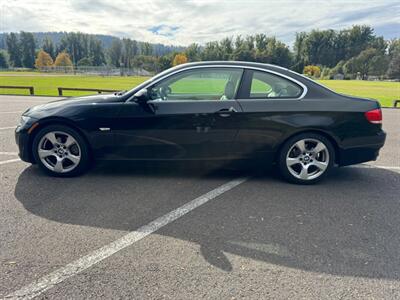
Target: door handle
{"points": [[225, 112]]}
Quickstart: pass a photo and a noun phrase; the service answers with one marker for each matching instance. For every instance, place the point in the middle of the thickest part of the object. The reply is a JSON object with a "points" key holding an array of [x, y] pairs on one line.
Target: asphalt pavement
{"points": [[201, 231]]}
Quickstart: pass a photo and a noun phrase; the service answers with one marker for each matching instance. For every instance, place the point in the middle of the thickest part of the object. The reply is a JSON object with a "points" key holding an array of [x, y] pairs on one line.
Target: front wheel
{"points": [[306, 158], [60, 151]]}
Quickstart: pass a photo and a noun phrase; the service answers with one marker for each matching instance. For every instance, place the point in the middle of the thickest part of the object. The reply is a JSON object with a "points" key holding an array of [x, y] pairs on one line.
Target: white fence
{"points": [[100, 70]]}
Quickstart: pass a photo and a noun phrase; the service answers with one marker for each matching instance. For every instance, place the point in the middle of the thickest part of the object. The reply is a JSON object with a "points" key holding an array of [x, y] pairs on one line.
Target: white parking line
{"points": [[366, 166], [9, 161], [12, 112], [8, 153], [5, 128], [48, 281]]}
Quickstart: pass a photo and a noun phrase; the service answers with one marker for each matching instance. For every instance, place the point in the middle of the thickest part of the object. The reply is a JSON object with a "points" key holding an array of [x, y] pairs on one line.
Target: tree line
{"points": [[348, 53]]}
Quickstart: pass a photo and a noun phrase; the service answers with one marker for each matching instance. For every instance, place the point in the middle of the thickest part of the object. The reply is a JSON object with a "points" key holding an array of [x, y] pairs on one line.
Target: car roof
{"points": [[242, 64], [233, 63]]}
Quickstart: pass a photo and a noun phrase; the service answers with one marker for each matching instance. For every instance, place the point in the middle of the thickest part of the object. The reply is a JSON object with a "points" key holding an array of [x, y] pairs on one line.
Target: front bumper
{"points": [[23, 141]]}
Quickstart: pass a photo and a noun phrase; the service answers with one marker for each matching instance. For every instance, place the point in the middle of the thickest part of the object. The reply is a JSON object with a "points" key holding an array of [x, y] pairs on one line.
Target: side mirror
{"points": [[142, 96]]}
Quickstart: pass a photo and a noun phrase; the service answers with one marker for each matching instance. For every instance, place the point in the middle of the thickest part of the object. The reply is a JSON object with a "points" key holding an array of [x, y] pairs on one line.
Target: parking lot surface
{"points": [[179, 231]]}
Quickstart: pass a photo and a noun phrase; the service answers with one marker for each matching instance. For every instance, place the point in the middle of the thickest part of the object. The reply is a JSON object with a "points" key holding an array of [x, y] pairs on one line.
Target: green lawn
{"points": [[384, 91], [47, 85]]}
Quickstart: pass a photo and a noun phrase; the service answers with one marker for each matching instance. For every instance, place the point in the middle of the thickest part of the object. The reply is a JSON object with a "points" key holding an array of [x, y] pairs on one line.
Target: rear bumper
{"points": [[362, 153]]}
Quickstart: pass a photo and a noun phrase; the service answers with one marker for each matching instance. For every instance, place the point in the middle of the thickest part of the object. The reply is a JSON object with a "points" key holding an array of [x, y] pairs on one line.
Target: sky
{"points": [[181, 22]]}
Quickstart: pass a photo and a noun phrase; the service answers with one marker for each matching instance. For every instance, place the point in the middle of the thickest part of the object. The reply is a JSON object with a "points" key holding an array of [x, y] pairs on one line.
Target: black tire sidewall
{"points": [[289, 143], [84, 162]]}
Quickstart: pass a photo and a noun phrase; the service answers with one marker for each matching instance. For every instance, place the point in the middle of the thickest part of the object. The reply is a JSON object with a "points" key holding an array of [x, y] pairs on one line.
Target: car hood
{"points": [[55, 105]]}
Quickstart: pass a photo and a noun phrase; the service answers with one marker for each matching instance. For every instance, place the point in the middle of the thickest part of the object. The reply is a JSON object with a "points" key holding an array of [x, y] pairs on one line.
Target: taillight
{"points": [[374, 116]]}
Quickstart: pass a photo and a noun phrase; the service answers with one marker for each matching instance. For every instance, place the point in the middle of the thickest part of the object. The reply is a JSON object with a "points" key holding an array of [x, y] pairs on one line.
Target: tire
{"points": [[306, 158], [60, 151]]}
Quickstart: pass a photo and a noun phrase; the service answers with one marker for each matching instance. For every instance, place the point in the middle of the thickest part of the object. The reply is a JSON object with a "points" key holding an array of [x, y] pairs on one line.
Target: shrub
{"points": [[312, 71]]}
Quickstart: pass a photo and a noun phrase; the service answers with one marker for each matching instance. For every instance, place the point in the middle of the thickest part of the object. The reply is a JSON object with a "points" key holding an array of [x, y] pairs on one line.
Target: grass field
{"points": [[47, 85], [384, 91]]}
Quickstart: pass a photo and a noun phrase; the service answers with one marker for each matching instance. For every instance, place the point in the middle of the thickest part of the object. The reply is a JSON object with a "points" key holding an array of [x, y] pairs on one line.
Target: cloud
{"points": [[164, 30], [185, 21]]}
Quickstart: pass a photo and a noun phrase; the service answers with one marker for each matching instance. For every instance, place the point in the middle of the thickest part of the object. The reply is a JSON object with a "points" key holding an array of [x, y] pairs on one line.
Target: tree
{"points": [[164, 62], [363, 63], [127, 52], [320, 47], [77, 44], [180, 58], [249, 42], [329, 47], [261, 42], [43, 60], [63, 60], [312, 71], [394, 67], [27, 46], [338, 69], [48, 47], [135, 48], [212, 51], [146, 49], [3, 60], [278, 53], [394, 47], [300, 53], [242, 51], [192, 52], [13, 48], [226, 49], [378, 65], [146, 62], [115, 53], [86, 61], [96, 53], [358, 38]]}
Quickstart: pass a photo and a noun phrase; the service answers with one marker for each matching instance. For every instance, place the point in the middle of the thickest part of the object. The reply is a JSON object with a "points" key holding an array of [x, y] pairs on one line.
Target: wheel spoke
{"points": [[58, 167], [319, 147], [290, 161], [52, 138], [45, 153], [301, 145], [320, 165], [73, 158], [69, 141], [304, 172]]}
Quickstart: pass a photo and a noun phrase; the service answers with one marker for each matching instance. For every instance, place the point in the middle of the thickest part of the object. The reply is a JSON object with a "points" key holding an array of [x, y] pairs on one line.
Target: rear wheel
{"points": [[60, 151], [306, 158]]}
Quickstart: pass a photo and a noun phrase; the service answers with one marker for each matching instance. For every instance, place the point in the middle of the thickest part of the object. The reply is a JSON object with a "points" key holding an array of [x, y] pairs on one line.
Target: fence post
{"points": [[395, 103], [31, 90], [60, 91]]}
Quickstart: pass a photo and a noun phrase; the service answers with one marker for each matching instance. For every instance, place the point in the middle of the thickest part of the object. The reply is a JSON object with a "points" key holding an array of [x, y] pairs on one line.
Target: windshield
{"points": [[143, 84]]}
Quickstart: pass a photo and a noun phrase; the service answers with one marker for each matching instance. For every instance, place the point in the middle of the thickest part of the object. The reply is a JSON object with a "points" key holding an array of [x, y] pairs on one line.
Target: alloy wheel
{"points": [[307, 159], [59, 151]]}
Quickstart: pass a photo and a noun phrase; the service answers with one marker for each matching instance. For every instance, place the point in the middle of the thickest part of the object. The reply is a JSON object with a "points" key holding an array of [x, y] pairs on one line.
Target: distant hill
{"points": [[158, 49]]}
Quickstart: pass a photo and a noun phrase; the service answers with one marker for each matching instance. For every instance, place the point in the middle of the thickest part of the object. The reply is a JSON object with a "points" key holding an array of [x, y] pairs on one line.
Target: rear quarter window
{"points": [[269, 86]]}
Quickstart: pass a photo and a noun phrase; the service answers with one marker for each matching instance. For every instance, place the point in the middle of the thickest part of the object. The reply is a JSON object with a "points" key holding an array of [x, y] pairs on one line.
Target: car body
{"points": [[212, 111]]}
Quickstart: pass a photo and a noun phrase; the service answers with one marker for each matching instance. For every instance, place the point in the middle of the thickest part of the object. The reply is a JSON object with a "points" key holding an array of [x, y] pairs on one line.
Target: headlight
{"points": [[24, 120]]}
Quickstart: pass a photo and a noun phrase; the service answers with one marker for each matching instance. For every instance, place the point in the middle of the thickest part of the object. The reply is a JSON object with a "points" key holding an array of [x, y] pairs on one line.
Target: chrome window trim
{"points": [[181, 101], [303, 86]]}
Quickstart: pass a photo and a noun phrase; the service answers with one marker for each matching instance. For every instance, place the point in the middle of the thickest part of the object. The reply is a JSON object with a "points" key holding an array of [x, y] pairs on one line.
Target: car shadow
{"points": [[348, 225]]}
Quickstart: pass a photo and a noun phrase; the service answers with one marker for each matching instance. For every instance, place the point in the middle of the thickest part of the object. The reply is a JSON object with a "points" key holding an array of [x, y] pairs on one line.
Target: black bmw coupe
{"points": [[208, 111]]}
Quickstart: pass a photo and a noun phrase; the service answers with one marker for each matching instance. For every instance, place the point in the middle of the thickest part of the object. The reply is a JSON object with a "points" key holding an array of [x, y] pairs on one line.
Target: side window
{"points": [[266, 85], [199, 84]]}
